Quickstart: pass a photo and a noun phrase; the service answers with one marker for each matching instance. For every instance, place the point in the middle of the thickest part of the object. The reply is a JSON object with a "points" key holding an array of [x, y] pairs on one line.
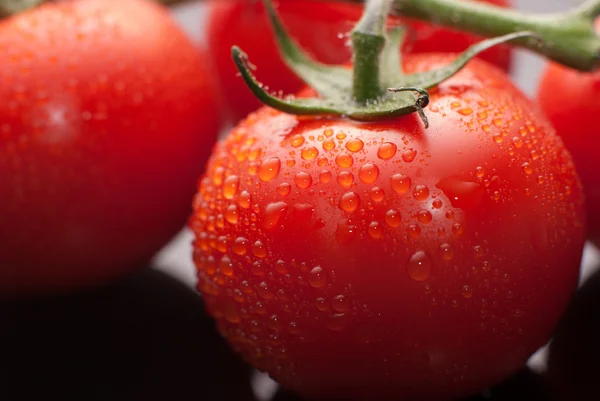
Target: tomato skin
{"points": [[427, 288], [320, 27], [106, 119], [570, 99]]}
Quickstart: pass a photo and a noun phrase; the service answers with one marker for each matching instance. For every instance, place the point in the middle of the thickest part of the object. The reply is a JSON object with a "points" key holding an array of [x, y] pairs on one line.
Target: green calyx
{"points": [[375, 88], [12, 7]]}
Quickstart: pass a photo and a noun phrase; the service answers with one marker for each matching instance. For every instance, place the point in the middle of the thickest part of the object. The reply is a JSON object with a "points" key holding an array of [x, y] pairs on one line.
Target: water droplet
{"points": [[297, 140], [317, 277], [419, 266], [339, 303], [258, 269], [349, 202], [309, 153], [446, 251], [424, 216], [437, 204], [467, 292], [325, 176], [354, 145], [479, 172], [329, 144], [345, 179], [230, 186], [345, 231], [231, 214], [518, 142], [245, 199], [274, 323], [377, 194], [387, 150], [337, 322], [259, 250], [341, 136], [540, 179], [240, 246], [409, 155], [393, 218], [303, 180], [226, 266], [284, 189], [273, 213], [269, 169], [375, 230], [401, 183], [466, 111], [498, 138], [421, 192], [265, 292], [328, 132], [462, 194], [368, 173], [413, 230], [477, 251], [344, 160], [457, 229], [321, 304], [527, 169]]}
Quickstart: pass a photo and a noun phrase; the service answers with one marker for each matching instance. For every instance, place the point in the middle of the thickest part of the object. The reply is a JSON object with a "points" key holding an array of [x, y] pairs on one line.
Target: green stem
{"points": [[368, 41], [11, 7], [568, 38]]}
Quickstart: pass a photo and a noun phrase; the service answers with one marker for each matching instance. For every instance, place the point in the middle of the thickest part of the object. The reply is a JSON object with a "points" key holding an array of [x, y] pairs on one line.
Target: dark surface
{"points": [[574, 360], [144, 338], [147, 338]]}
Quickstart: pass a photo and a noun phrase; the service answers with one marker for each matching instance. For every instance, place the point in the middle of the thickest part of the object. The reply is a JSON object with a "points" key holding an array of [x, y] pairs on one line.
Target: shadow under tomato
{"points": [[523, 386], [144, 338], [574, 357]]}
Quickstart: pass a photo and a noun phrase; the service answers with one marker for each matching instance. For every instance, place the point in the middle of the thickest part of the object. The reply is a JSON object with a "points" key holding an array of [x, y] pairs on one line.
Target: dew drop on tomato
{"points": [[349, 202], [309, 153], [527, 169], [421, 192], [354, 145], [230, 186], [284, 189], [393, 218], [344, 160], [368, 173], [259, 250], [419, 266], [339, 303], [400, 183], [446, 252], [273, 214], [424, 216], [376, 194], [303, 180], [231, 214], [409, 155], [345, 179], [325, 176], [240, 246], [269, 169], [375, 230], [387, 150], [317, 277], [329, 144]]}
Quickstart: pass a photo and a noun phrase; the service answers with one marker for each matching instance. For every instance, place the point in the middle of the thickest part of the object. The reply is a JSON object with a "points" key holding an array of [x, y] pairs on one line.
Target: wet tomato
{"points": [[377, 260], [321, 28], [571, 100], [106, 118]]}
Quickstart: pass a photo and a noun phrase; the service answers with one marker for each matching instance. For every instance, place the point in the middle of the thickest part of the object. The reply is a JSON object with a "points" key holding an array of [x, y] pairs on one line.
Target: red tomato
{"points": [[320, 27], [106, 119], [358, 260], [571, 100]]}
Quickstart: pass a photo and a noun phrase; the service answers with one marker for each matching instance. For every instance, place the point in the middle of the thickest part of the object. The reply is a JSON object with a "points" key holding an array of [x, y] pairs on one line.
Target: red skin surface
{"points": [[313, 277], [106, 120], [320, 28], [571, 100]]}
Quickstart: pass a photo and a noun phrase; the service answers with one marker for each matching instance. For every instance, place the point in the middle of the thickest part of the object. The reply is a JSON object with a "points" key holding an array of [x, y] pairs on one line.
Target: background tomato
{"points": [[321, 28], [107, 115], [571, 100], [365, 261]]}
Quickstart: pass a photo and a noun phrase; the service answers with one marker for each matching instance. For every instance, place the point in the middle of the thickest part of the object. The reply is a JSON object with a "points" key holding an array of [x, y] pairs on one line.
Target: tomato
{"points": [[107, 116], [370, 260], [571, 100], [320, 27]]}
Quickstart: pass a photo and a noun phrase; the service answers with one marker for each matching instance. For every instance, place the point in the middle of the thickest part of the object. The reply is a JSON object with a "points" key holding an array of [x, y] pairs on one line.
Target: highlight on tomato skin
{"points": [[381, 259], [571, 101], [107, 116], [244, 23]]}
